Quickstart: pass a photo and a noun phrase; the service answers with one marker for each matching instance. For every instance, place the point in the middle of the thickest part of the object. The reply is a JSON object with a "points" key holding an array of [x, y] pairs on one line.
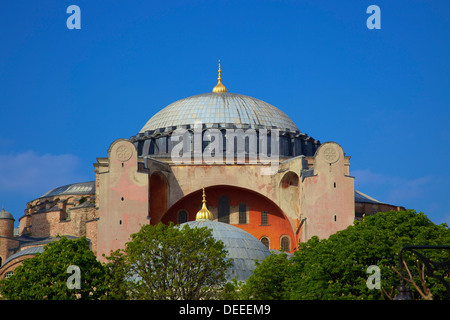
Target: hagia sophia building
{"points": [[263, 178]]}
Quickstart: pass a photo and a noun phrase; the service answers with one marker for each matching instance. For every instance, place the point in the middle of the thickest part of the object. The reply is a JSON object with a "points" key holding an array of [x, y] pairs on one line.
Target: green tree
{"points": [[336, 268], [116, 275], [170, 262], [268, 279], [45, 277]]}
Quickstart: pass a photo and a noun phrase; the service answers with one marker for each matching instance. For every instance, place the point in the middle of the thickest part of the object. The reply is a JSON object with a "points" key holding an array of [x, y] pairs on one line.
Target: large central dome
{"points": [[223, 108]]}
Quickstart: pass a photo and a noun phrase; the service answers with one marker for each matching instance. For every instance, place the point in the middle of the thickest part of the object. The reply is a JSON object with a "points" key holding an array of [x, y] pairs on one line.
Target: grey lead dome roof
{"points": [[242, 247], [74, 188], [6, 215], [222, 108]]}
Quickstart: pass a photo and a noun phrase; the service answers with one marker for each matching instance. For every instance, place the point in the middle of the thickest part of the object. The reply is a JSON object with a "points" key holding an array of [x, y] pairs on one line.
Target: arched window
{"points": [[285, 244], [242, 213], [182, 216], [265, 241], [224, 209]]}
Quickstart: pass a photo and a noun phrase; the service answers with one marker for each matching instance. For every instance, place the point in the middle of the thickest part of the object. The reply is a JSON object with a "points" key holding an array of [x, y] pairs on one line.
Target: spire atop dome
{"points": [[204, 213], [219, 87]]}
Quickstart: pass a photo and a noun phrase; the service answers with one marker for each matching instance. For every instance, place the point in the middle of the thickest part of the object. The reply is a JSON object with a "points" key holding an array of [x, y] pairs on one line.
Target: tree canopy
{"points": [[268, 279], [336, 268], [173, 262], [47, 274], [160, 262]]}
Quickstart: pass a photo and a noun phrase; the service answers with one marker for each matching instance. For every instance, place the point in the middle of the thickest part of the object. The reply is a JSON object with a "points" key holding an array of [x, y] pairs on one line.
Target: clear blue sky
{"points": [[383, 95]]}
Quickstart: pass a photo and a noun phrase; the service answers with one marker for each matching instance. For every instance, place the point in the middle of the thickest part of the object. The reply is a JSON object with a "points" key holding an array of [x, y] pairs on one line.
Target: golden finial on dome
{"points": [[219, 87], [204, 213]]}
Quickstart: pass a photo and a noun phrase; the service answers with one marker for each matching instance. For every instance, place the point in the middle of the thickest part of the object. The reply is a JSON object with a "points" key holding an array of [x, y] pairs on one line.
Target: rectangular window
{"points": [[264, 218], [242, 213], [224, 209]]}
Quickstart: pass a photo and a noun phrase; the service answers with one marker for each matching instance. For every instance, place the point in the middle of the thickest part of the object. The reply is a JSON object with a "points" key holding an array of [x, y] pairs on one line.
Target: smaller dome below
{"points": [[242, 247], [25, 252], [6, 215]]}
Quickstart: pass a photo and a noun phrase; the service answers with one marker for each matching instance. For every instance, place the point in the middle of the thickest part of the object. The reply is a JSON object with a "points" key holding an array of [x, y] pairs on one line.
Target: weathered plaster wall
{"points": [[123, 197], [327, 196]]}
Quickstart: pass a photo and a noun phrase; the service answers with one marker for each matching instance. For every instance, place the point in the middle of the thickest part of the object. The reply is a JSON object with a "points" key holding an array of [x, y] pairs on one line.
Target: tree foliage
{"points": [[336, 268], [44, 277], [268, 279], [170, 262]]}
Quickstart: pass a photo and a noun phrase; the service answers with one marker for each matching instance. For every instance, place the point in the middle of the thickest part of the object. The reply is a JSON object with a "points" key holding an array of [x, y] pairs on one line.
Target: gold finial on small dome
{"points": [[204, 213], [219, 86]]}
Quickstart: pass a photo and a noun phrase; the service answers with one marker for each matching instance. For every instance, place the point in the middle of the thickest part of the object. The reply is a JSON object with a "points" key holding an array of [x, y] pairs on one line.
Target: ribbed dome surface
{"points": [[74, 188], [221, 108], [242, 247]]}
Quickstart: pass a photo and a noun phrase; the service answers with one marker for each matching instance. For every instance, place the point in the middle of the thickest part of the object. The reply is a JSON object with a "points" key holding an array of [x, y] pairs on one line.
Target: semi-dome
{"points": [[222, 108], [242, 247]]}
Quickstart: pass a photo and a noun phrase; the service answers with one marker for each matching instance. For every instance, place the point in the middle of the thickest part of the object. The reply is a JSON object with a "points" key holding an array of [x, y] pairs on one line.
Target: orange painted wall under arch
{"points": [[278, 225]]}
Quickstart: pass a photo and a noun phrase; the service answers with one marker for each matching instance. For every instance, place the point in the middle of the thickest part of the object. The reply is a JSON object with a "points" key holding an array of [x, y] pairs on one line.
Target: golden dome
{"points": [[204, 213], [219, 87]]}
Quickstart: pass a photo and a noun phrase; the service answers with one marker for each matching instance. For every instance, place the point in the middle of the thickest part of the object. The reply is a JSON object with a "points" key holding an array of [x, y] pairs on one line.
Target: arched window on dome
{"points": [[182, 216], [285, 244], [265, 241], [224, 209]]}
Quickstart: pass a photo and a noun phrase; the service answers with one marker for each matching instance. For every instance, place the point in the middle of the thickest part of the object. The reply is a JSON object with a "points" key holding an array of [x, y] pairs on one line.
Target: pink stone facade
{"points": [[308, 196]]}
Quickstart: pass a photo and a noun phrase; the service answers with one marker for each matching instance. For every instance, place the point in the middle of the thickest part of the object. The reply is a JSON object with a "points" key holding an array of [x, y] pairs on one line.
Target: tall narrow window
{"points": [[264, 218], [285, 244], [224, 209], [182, 216], [242, 213]]}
